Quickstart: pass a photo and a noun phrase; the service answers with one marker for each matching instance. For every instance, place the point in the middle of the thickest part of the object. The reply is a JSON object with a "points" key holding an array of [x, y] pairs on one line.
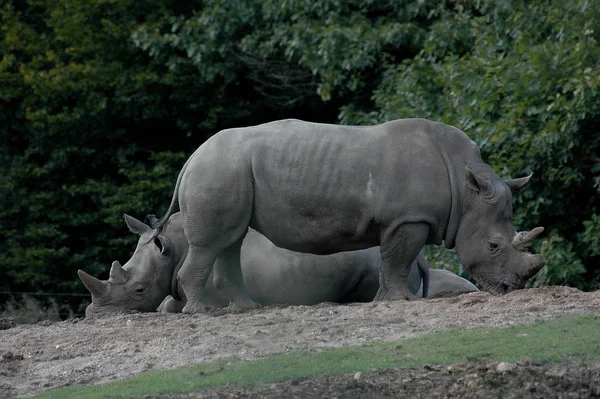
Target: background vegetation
{"points": [[101, 102]]}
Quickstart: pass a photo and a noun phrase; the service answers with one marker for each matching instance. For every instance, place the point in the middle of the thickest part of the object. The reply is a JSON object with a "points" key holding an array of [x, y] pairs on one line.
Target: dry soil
{"points": [[48, 355]]}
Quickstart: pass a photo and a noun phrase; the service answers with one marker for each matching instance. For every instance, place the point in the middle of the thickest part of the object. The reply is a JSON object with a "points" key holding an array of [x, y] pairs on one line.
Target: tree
{"points": [[102, 101], [78, 104], [522, 79]]}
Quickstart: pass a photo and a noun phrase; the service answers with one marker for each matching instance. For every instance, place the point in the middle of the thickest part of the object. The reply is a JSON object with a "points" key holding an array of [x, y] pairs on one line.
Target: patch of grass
{"points": [[562, 339]]}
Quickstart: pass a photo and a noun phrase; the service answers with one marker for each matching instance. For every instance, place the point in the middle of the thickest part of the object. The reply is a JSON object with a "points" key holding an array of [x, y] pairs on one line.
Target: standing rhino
{"points": [[320, 188], [273, 275]]}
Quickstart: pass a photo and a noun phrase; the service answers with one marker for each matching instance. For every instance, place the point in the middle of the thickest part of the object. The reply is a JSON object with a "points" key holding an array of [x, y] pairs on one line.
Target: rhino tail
{"points": [[174, 201], [424, 272], [418, 276]]}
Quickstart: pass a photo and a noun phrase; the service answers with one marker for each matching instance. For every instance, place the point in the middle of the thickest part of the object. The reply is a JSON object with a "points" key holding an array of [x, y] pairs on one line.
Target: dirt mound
{"points": [[48, 355], [5, 324]]}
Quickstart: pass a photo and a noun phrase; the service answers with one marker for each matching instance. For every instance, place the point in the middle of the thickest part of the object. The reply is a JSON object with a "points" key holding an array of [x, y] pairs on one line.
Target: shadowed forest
{"points": [[102, 101]]}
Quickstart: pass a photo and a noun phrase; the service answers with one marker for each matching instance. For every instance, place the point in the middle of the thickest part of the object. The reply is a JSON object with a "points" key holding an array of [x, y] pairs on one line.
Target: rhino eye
{"points": [[139, 290], [493, 246]]}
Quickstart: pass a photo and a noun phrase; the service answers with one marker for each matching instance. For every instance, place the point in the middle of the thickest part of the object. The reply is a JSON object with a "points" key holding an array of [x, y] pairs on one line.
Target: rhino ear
{"points": [[163, 245], [96, 287], [135, 225], [516, 184], [117, 275], [479, 184]]}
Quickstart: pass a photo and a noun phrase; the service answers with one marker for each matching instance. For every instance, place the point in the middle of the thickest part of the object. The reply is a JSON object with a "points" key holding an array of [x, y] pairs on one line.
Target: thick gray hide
{"points": [[321, 189], [273, 275]]}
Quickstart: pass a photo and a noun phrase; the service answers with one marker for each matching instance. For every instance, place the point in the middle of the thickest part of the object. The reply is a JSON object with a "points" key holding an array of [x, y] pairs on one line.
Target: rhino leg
{"points": [[364, 291], [193, 276], [229, 280], [400, 247], [171, 305]]}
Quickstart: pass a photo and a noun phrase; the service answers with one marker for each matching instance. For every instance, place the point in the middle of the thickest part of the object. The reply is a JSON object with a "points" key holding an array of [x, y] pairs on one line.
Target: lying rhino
{"points": [[273, 275], [322, 189], [444, 283]]}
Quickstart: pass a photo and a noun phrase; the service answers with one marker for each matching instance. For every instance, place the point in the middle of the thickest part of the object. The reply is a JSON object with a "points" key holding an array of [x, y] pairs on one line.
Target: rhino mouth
{"points": [[95, 311], [502, 287], [512, 278]]}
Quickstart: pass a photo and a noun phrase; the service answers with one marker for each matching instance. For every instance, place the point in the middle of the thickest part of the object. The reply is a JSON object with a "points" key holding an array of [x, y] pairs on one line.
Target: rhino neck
{"points": [[175, 287], [454, 213], [457, 150], [174, 229], [175, 284]]}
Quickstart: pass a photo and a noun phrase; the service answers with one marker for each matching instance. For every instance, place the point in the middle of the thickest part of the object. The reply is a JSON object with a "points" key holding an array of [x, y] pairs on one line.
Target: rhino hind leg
{"points": [[229, 280], [193, 275], [400, 247]]}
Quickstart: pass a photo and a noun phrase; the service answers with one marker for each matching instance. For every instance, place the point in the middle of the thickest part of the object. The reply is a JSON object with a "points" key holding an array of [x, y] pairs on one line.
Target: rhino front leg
{"points": [[400, 246], [171, 305]]}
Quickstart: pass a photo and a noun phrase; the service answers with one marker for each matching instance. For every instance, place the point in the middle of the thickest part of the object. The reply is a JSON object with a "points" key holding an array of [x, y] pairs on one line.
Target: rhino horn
{"points": [[117, 275], [136, 226], [525, 238], [534, 268], [535, 265], [96, 287], [516, 184]]}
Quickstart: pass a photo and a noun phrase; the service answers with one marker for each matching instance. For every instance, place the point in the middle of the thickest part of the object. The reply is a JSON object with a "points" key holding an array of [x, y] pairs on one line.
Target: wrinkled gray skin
{"points": [[273, 275], [322, 189]]}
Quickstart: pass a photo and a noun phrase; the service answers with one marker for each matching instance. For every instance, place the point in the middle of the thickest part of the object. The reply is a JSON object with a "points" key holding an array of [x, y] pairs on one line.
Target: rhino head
{"points": [[495, 255], [147, 278]]}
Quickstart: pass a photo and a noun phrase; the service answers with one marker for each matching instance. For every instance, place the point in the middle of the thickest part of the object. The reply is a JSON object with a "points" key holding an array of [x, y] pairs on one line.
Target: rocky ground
{"points": [[81, 351], [459, 381]]}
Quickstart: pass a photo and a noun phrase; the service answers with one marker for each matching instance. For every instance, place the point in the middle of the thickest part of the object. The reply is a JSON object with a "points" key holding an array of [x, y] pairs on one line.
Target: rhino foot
{"points": [[196, 307], [171, 305], [242, 304], [394, 295]]}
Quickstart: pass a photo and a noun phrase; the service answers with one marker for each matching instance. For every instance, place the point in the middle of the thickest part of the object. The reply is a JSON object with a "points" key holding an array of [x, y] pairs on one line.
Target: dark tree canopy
{"points": [[101, 102]]}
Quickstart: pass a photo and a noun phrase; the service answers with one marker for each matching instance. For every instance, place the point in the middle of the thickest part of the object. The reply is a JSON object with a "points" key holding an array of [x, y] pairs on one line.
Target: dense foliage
{"points": [[102, 101]]}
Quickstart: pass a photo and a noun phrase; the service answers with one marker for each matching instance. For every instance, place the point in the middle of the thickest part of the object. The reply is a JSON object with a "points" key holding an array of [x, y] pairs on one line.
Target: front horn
{"points": [[96, 287]]}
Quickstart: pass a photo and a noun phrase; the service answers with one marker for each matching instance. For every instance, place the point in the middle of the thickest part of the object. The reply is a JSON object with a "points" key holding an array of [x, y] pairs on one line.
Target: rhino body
{"points": [[321, 189], [272, 275]]}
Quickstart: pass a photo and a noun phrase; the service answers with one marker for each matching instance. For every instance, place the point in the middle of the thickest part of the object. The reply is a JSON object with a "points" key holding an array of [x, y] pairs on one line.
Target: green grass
{"points": [[562, 339]]}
